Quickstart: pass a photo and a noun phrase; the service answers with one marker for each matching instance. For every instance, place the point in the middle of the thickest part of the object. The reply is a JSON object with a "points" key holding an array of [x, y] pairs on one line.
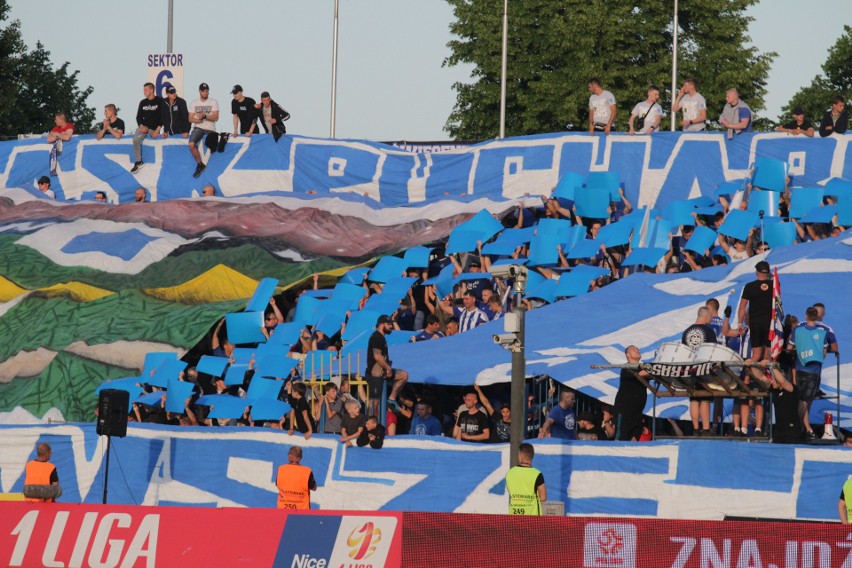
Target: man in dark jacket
{"points": [[175, 115], [836, 120], [272, 116]]}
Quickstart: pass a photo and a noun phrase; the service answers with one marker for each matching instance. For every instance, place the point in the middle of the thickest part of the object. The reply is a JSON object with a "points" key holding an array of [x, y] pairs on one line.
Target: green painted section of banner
{"points": [[30, 269]]}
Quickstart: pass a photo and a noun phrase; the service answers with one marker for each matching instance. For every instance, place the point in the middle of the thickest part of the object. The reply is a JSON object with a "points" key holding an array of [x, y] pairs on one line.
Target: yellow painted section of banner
{"points": [[9, 290], [77, 291], [219, 284]]}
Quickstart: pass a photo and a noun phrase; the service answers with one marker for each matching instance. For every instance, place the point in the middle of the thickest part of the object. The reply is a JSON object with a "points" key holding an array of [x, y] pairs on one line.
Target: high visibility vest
{"points": [[38, 473], [847, 498], [810, 344], [523, 498], [293, 490]]}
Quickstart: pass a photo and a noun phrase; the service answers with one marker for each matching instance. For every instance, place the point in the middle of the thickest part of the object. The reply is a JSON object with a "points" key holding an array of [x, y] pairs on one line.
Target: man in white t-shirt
{"points": [[601, 108], [203, 113], [693, 105], [649, 112], [44, 187]]}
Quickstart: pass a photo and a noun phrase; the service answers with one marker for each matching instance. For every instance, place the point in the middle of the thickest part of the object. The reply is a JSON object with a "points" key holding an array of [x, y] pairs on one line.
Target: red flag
{"points": [[776, 331]]}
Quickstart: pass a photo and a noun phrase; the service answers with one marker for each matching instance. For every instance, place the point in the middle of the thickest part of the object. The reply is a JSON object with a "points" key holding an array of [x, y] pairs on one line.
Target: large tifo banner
{"points": [[236, 467], [655, 170]]}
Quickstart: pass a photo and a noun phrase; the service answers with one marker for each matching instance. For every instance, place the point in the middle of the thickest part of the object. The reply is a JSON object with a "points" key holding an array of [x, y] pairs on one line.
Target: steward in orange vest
{"points": [[295, 482], [41, 472]]}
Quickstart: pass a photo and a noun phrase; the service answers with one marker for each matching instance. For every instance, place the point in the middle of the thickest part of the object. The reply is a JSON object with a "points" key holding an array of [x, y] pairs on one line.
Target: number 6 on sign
{"points": [[163, 83]]}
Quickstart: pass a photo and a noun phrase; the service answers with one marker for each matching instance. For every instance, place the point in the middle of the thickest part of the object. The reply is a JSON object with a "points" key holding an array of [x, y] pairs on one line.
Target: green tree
{"points": [[835, 80], [556, 46], [33, 91]]}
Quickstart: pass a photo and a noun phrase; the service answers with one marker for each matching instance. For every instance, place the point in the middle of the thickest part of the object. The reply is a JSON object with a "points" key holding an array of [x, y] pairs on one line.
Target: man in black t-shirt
{"points": [[379, 367], [587, 429], [696, 334], [244, 111], [799, 124], [699, 332], [112, 125], [472, 424], [630, 399], [757, 295]]}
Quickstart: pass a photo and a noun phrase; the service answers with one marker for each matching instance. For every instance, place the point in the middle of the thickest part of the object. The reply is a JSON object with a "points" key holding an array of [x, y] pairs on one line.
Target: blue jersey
{"points": [[431, 426], [810, 343], [741, 344], [563, 423], [716, 324]]}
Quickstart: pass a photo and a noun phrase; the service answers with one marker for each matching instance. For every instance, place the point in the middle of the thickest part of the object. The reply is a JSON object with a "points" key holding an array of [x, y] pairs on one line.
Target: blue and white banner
{"points": [[655, 170], [236, 467], [565, 338]]}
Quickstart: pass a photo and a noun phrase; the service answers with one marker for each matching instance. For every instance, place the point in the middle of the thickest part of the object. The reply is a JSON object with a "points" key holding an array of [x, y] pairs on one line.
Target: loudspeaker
{"points": [[112, 412]]}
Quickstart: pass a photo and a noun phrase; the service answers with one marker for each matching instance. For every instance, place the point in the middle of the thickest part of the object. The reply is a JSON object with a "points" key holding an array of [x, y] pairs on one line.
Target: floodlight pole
{"points": [[674, 65], [504, 60], [169, 43], [334, 69]]}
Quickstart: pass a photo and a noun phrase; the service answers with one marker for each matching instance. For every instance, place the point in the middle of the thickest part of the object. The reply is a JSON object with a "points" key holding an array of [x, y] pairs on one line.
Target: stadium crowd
{"points": [[352, 405]]}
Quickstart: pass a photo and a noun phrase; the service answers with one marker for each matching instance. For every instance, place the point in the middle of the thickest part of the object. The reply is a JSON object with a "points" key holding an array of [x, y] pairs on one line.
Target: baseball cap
{"points": [[237, 89], [203, 87], [762, 266], [384, 319], [44, 179], [797, 110], [264, 95], [587, 416], [171, 90]]}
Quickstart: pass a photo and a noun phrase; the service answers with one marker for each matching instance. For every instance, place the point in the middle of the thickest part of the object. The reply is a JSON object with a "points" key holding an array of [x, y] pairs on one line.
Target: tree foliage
{"points": [[836, 80], [33, 91], [556, 46]]}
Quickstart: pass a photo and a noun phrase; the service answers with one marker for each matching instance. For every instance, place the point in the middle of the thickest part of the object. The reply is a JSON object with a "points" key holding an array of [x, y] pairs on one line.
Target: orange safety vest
{"points": [[293, 490], [38, 473]]}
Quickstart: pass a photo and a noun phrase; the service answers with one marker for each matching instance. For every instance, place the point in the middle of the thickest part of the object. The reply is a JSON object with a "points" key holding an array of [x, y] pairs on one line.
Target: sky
{"points": [[391, 84]]}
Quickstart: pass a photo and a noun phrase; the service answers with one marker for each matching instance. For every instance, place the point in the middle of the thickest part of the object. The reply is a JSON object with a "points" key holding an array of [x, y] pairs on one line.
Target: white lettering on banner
{"points": [[687, 546], [96, 554], [48, 557], [23, 530], [143, 544], [710, 557], [336, 167], [814, 554], [305, 561], [83, 538]]}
